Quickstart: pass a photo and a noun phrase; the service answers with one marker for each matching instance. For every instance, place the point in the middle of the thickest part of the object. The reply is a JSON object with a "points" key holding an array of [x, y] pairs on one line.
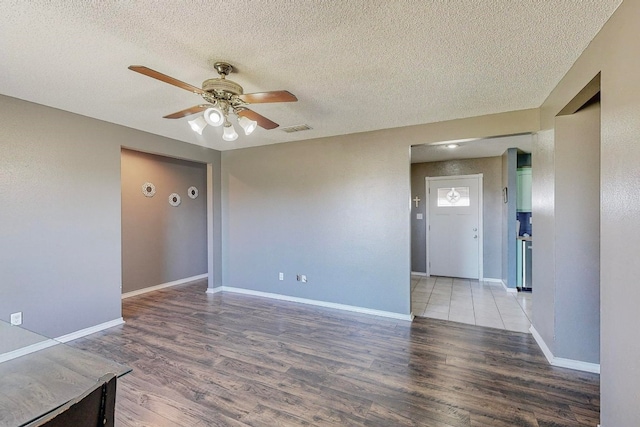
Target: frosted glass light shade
{"points": [[214, 116], [247, 124], [230, 133], [198, 124]]}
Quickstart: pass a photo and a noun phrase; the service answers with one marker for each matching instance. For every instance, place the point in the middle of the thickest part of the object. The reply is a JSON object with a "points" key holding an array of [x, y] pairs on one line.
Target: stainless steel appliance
{"points": [[526, 265]]}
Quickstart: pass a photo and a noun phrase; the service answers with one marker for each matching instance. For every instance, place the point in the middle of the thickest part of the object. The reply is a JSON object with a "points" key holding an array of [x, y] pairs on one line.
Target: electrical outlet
{"points": [[303, 278], [281, 276], [16, 318]]}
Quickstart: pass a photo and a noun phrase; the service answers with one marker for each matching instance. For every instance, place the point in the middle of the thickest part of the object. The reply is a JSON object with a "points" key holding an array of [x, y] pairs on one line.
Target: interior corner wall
{"points": [[577, 193], [508, 216], [60, 243], [491, 170], [544, 225], [333, 209], [566, 258], [613, 54], [162, 243]]}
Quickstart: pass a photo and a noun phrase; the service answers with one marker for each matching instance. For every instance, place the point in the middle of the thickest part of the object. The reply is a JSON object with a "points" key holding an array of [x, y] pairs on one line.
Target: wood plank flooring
{"points": [[236, 360]]}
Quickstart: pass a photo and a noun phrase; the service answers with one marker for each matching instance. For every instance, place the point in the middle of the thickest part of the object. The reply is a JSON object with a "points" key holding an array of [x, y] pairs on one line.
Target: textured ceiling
{"points": [[470, 149], [355, 66]]}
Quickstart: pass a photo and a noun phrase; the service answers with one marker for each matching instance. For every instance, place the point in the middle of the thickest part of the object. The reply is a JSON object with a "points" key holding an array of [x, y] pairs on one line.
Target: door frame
{"points": [[427, 186]]}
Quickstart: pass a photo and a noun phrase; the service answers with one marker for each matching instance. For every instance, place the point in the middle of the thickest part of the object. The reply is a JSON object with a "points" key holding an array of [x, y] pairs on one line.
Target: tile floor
{"points": [[470, 301]]}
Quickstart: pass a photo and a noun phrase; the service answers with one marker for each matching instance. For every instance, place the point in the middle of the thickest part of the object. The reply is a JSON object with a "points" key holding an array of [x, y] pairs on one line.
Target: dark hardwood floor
{"points": [[236, 360]]}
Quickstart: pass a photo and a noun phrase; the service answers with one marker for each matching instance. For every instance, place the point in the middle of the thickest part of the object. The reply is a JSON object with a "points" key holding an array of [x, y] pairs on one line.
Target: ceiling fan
{"points": [[223, 97]]}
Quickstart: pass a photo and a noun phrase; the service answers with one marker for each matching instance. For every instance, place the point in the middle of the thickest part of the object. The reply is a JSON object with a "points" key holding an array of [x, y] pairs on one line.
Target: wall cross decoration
{"points": [[417, 200]]}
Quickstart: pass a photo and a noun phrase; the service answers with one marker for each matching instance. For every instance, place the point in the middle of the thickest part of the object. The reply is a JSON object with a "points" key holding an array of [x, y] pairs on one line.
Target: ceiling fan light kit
{"points": [[214, 116], [229, 133], [198, 124], [224, 97], [247, 124]]}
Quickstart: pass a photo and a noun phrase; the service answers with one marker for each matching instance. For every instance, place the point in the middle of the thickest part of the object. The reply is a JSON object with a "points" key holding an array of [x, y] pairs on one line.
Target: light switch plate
{"points": [[16, 318], [419, 216]]}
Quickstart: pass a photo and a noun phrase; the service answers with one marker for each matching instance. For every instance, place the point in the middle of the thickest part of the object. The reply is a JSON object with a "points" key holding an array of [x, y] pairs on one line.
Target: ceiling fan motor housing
{"points": [[223, 85]]}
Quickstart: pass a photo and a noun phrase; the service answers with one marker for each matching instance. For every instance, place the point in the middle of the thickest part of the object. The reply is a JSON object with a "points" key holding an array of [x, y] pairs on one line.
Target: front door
{"points": [[454, 232]]}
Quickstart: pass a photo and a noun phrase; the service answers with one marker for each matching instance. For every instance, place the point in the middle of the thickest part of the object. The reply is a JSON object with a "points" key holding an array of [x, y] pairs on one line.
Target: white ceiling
{"points": [[355, 66], [470, 149]]}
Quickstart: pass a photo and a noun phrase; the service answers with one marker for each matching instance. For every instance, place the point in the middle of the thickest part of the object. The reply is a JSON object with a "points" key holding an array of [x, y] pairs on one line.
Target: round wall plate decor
{"points": [[174, 199], [193, 192], [148, 189]]}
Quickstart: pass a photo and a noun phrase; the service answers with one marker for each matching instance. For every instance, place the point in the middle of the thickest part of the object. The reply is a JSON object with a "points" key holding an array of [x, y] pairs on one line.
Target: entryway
{"points": [[475, 302]]}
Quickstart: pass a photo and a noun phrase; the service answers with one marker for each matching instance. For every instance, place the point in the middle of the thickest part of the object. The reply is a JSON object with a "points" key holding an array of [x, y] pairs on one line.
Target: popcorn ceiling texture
{"points": [[355, 66]]}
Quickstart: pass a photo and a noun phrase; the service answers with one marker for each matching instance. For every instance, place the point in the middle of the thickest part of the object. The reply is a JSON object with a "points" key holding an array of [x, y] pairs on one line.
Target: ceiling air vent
{"points": [[296, 128]]}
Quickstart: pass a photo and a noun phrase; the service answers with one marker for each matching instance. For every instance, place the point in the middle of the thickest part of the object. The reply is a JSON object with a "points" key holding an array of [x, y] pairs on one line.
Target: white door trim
{"points": [[478, 176]]}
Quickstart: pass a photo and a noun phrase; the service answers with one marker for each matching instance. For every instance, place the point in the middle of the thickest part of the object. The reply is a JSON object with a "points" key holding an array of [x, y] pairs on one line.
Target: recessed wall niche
{"points": [[163, 232]]}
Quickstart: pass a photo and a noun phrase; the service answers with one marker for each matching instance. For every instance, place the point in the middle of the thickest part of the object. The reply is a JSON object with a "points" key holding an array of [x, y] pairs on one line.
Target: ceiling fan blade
{"points": [[264, 97], [263, 122], [164, 78], [187, 112]]}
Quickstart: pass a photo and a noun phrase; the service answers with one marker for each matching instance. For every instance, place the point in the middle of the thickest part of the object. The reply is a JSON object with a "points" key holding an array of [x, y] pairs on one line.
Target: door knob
{"points": [[475, 237]]}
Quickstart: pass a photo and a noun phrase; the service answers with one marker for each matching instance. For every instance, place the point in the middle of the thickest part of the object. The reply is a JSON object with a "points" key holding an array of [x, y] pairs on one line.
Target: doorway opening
{"points": [[164, 220]]}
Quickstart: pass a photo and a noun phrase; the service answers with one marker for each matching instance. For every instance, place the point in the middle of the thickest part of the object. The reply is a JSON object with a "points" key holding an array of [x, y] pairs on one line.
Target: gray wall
{"points": [[60, 244], [566, 311], [335, 209], [578, 235], [544, 251], [509, 244], [613, 53], [162, 243], [491, 168]]}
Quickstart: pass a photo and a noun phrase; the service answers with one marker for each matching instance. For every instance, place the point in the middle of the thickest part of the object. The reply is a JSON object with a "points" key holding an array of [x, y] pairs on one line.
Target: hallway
{"points": [[473, 302]]}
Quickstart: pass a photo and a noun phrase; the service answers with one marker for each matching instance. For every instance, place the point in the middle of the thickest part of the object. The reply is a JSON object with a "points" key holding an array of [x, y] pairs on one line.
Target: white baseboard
{"points": [[560, 361], [61, 339], [91, 330], [363, 310], [164, 285], [28, 349], [494, 280], [508, 289], [418, 273]]}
